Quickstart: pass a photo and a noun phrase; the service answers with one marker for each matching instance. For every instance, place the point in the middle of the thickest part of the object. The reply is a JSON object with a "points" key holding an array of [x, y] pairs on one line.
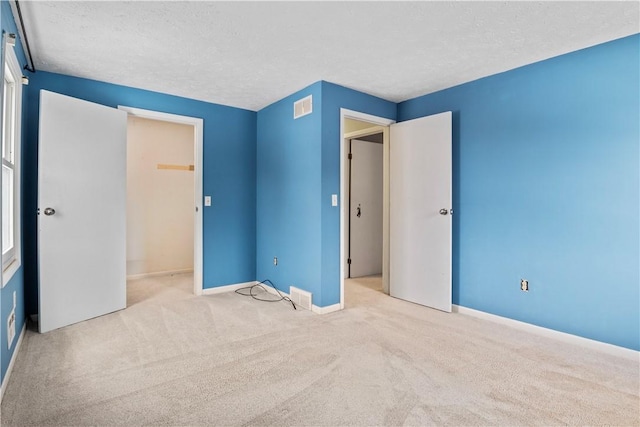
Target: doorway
{"points": [[364, 226], [82, 195], [365, 209], [416, 209], [159, 204], [172, 157], [358, 126]]}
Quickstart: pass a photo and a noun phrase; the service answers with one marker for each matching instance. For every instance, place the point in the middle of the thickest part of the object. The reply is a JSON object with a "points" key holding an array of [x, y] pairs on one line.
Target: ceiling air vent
{"points": [[303, 107]]}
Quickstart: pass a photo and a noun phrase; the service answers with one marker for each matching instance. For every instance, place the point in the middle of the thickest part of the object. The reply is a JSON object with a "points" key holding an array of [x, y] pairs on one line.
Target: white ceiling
{"points": [[250, 54]]}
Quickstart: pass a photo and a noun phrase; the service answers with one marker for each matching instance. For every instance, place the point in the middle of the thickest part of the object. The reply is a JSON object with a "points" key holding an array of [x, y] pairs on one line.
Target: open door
{"points": [[81, 210], [365, 208], [420, 211]]}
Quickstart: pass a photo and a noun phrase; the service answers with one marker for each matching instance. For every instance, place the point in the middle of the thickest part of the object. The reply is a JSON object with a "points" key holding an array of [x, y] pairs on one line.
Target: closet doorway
{"points": [[164, 193]]}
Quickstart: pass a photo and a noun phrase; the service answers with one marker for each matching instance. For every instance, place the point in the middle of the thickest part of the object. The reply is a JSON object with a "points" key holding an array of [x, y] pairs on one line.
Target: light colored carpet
{"points": [[174, 359]]}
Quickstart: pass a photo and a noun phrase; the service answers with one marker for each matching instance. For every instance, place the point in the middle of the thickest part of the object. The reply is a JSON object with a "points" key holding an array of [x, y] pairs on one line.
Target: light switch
{"points": [[334, 200], [207, 200]]}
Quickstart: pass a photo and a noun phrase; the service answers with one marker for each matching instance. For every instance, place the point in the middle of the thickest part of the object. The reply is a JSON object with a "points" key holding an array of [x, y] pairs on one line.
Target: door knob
{"points": [[443, 211], [359, 212], [49, 211]]}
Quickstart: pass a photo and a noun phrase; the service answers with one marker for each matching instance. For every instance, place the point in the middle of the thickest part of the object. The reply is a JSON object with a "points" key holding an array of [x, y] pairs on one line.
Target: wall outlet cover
{"points": [[11, 328]]}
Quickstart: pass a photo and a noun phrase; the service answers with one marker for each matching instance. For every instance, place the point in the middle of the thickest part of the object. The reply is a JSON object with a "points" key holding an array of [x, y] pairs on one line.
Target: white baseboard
{"points": [[603, 347], [5, 380], [314, 308], [326, 310], [270, 289], [158, 273], [226, 288]]}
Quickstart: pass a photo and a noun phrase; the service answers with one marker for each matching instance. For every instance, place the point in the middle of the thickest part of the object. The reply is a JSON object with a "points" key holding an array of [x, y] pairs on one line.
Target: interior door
{"points": [[420, 211], [81, 210], [365, 238]]}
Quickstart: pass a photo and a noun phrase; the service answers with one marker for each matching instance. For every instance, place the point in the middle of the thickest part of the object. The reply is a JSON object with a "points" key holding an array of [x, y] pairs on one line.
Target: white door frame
{"points": [[198, 142], [344, 182]]}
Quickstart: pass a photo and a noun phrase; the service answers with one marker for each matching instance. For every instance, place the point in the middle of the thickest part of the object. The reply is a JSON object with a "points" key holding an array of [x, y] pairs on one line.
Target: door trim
{"points": [[198, 125], [344, 178]]}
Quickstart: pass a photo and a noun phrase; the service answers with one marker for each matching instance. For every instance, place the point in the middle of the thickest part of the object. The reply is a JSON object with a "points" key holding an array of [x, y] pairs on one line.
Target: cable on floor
{"points": [[249, 291]]}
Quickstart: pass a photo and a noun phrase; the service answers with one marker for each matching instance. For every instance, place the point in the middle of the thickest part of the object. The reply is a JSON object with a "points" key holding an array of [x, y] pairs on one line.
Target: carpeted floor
{"points": [[174, 359]]}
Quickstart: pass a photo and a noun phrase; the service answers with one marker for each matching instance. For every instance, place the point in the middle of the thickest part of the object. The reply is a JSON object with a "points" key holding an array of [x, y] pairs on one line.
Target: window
{"points": [[11, 124]]}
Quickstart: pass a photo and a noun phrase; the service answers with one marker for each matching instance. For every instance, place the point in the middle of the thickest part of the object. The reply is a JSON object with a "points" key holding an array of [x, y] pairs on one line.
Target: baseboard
{"points": [[326, 310], [226, 288], [158, 273], [602, 347], [314, 308], [272, 291], [5, 380]]}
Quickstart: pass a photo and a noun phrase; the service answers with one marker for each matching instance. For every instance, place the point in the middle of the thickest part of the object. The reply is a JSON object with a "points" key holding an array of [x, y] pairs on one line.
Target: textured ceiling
{"points": [[250, 54]]}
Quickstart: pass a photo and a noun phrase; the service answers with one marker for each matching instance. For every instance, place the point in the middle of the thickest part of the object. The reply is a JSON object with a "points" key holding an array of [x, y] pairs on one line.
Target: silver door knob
{"points": [[443, 211], [49, 211]]}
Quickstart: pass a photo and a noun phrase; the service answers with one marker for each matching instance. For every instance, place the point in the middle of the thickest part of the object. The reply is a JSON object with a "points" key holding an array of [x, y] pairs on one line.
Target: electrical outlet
{"points": [[524, 285], [15, 300], [11, 328], [275, 260]]}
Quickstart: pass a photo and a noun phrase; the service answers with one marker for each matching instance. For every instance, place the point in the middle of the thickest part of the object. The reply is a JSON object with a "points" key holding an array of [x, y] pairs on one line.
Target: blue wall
{"points": [[298, 171], [334, 98], [546, 187], [228, 173], [289, 156], [546, 171], [17, 282]]}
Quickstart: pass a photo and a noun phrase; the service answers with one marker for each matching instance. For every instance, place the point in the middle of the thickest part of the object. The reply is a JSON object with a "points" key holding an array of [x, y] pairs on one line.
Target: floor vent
{"points": [[303, 107], [300, 298]]}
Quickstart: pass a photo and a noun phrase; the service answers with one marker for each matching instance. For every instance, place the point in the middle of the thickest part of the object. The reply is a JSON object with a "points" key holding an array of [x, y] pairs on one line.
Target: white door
{"points": [[365, 249], [420, 211], [82, 210]]}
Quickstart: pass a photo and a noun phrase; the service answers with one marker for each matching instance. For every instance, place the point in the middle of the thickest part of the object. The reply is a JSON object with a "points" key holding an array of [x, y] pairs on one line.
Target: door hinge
{"points": [[349, 261], [350, 156]]}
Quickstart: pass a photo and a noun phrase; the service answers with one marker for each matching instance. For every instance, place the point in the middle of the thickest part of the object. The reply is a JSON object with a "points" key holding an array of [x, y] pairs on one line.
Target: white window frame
{"points": [[12, 259]]}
